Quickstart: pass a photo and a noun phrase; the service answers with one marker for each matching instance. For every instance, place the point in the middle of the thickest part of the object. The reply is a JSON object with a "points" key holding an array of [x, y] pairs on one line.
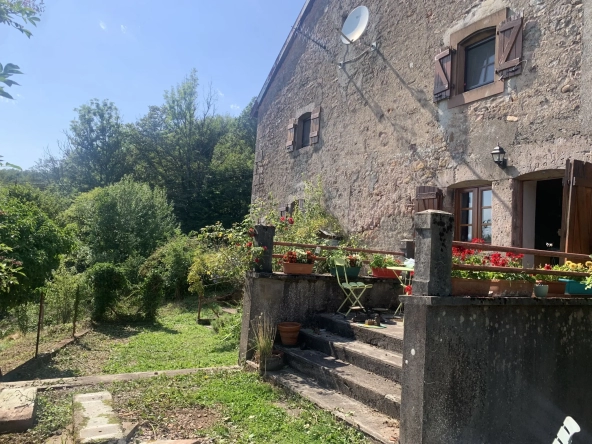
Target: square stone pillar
{"points": [[433, 253]]}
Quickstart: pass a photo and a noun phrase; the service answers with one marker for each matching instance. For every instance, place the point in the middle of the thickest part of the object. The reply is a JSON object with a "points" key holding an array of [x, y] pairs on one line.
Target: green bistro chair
{"points": [[353, 290]]}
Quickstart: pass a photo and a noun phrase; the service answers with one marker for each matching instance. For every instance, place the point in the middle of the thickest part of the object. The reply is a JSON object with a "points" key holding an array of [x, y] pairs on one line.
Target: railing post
{"points": [[264, 235], [433, 253]]}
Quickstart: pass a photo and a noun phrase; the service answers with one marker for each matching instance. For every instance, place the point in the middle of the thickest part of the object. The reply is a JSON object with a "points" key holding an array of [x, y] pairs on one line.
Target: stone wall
{"points": [[495, 370], [381, 135], [299, 298]]}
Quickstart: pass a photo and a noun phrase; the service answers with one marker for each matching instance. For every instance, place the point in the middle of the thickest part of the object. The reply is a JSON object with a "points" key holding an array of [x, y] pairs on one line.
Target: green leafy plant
{"points": [[383, 261], [108, 284]]}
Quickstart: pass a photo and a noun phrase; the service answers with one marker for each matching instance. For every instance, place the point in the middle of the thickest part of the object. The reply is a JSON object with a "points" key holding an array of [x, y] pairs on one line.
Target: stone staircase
{"points": [[352, 370]]}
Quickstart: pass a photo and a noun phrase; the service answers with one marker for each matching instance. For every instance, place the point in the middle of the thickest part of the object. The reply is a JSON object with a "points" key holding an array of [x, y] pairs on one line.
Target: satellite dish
{"points": [[355, 25]]}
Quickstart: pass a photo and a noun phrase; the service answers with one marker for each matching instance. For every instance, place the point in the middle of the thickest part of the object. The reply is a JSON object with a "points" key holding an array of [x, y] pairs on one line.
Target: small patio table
{"points": [[403, 280]]}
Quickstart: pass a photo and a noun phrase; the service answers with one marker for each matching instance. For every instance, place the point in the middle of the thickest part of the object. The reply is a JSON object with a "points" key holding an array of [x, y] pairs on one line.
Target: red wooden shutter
{"points": [[315, 125], [291, 142], [443, 75], [428, 198], [576, 223], [509, 48]]}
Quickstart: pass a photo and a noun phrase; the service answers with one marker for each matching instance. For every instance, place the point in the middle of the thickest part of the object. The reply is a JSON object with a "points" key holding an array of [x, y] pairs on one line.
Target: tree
{"points": [[93, 154], [122, 221], [12, 13]]}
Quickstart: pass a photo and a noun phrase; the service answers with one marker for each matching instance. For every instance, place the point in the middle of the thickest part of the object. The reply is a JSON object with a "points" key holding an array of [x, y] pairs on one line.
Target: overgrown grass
{"points": [[175, 342]]}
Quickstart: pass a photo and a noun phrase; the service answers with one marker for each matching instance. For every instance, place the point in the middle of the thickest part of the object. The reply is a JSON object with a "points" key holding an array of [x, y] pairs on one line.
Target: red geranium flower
{"points": [[283, 219], [290, 220], [249, 244]]}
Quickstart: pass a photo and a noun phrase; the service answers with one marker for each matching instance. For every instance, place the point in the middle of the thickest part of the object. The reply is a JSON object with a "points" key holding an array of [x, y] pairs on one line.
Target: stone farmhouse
{"points": [[407, 117]]}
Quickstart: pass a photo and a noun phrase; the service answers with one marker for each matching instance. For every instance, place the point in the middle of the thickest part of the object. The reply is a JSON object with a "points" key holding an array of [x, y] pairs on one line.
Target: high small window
{"points": [[304, 131], [473, 213], [305, 125], [479, 63]]}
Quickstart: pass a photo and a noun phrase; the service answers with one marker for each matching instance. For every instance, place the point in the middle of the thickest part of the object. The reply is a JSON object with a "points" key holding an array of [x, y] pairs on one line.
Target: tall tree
{"points": [[93, 154], [17, 14]]}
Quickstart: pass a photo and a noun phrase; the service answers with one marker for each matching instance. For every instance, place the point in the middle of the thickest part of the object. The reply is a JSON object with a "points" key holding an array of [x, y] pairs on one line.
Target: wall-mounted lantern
{"points": [[499, 156]]}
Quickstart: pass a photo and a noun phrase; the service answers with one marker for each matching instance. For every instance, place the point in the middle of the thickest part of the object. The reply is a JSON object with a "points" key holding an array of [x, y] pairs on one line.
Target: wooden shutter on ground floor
{"points": [[576, 222], [509, 48], [443, 76], [315, 126], [428, 198], [291, 142]]}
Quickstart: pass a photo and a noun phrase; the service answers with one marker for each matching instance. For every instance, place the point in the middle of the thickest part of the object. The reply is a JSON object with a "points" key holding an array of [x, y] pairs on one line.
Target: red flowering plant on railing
{"points": [[299, 257], [477, 256]]}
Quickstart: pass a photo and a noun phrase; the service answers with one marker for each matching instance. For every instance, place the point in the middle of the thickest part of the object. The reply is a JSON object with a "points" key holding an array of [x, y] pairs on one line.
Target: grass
{"points": [[229, 407], [176, 341]]}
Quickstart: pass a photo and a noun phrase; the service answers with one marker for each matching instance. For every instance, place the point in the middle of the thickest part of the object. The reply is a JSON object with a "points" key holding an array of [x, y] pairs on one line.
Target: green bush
{"points": [[152, 295], [108, 285], [60, 296]]}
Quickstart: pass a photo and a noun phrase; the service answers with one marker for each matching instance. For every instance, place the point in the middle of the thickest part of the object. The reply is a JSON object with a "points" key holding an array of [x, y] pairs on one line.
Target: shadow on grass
{"points": [[125, 330], [40, 367]]}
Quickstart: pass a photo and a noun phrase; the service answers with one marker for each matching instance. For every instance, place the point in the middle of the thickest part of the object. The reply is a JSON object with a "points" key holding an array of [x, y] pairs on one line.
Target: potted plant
{"points": [[380, 263], [353, 263], [468, 282], [298, 262], [509, 284], [580, 286], [540, 289], [264, 333], [556, 287]]}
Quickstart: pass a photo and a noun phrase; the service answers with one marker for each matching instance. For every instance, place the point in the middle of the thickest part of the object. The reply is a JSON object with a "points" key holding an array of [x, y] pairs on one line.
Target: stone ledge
{"points": [[497, 301]]}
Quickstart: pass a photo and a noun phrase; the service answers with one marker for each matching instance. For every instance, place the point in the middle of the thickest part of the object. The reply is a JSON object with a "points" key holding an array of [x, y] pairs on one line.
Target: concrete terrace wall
{"points": [[505, 370], [298, 298], [381, 135]]}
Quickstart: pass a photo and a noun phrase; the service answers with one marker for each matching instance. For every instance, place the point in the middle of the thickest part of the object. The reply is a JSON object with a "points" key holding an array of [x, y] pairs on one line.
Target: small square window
{"points": [[480, 64]]}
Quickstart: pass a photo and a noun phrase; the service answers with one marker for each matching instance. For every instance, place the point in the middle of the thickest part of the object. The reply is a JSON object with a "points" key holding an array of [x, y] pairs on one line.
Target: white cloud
{"points": [[123, 29], [103, 25], [235, 107]]}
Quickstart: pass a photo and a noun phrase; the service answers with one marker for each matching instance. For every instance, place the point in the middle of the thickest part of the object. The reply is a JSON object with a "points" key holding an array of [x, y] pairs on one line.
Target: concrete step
{"points": [[382, 362], [389, 338], [17, 409], [94, 419], [377, 426], [375, 391]]}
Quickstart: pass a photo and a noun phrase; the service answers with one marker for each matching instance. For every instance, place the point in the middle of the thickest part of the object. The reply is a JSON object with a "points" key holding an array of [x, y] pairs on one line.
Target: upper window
{"points": [[304, 131], [479, 59], [473, 213]]}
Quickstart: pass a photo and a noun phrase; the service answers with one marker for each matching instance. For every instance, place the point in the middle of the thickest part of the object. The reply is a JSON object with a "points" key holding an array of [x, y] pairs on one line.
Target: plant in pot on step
{"points": [[540, 289], [353, 263], [380, 263], [556, 287], [298, 262], [264, 333]]}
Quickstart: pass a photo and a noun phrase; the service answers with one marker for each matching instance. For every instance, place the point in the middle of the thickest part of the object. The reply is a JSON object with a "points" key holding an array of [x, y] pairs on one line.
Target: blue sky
{"points": [[130, 52]]}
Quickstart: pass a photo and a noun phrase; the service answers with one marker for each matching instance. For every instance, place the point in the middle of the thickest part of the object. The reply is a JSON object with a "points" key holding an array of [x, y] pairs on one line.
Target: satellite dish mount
{"points": [[355, 25]]}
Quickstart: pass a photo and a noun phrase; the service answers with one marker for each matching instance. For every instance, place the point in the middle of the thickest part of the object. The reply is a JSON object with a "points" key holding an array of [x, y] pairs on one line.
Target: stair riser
{"points": [[367, 335], [368, 363], [349, 388]]}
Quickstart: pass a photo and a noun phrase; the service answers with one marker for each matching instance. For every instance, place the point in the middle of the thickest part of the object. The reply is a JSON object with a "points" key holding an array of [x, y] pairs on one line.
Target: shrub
{"points": [[60, 296], [152, 295], [108, 284]]}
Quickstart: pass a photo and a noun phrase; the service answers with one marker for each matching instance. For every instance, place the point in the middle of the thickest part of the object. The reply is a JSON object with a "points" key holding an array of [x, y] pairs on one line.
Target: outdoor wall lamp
{"points": [[499, 156]]}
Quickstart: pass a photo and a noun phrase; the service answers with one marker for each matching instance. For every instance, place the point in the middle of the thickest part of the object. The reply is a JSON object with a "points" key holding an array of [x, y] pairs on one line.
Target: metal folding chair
{"points": [[567, 431], [353, 290]]}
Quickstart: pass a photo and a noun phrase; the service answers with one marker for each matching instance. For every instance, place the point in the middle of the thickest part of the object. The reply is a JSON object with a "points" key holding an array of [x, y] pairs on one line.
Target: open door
{"points": [[576, 220]]}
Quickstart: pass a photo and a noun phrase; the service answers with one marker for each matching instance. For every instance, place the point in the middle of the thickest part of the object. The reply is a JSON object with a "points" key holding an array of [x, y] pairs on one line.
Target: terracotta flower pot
{"points": [[290, 268], [289, 332], [505, 288], [556, 288], [470, 287], [385, 273]]}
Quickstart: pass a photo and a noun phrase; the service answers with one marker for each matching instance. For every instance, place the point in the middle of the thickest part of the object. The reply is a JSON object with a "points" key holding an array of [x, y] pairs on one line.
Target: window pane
{"points": [[486, 233], [466, 200], [466, 234], [480, 64], [466, 217], [486, 198], [306, 132], [486, 216]]}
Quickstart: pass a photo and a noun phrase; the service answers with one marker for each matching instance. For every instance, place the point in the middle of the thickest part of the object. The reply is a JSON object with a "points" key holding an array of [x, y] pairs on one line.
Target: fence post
{"points": [[264, 235], [76, 304], [433, 253], [39, 323]]}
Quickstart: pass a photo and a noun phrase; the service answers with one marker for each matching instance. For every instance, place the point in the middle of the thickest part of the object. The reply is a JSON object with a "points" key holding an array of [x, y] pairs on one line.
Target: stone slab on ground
{"points": [[17, 409], [94, 419], [377, 426]]}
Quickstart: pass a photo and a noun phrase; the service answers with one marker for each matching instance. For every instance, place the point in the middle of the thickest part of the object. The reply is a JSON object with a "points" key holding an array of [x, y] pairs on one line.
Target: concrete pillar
{"points": [[264, 235], [433, 253]]}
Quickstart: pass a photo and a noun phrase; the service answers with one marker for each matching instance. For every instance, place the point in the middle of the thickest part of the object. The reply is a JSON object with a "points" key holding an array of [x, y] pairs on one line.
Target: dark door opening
{"points": [[547, 225]]}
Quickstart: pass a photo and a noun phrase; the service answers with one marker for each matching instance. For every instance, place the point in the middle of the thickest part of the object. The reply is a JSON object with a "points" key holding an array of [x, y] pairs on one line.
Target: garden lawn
{"points": [[177, 343], [229, 407]]}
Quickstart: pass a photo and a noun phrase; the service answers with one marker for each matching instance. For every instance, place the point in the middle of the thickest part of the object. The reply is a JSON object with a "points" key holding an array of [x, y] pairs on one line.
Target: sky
{"points": [[130, 52]]}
